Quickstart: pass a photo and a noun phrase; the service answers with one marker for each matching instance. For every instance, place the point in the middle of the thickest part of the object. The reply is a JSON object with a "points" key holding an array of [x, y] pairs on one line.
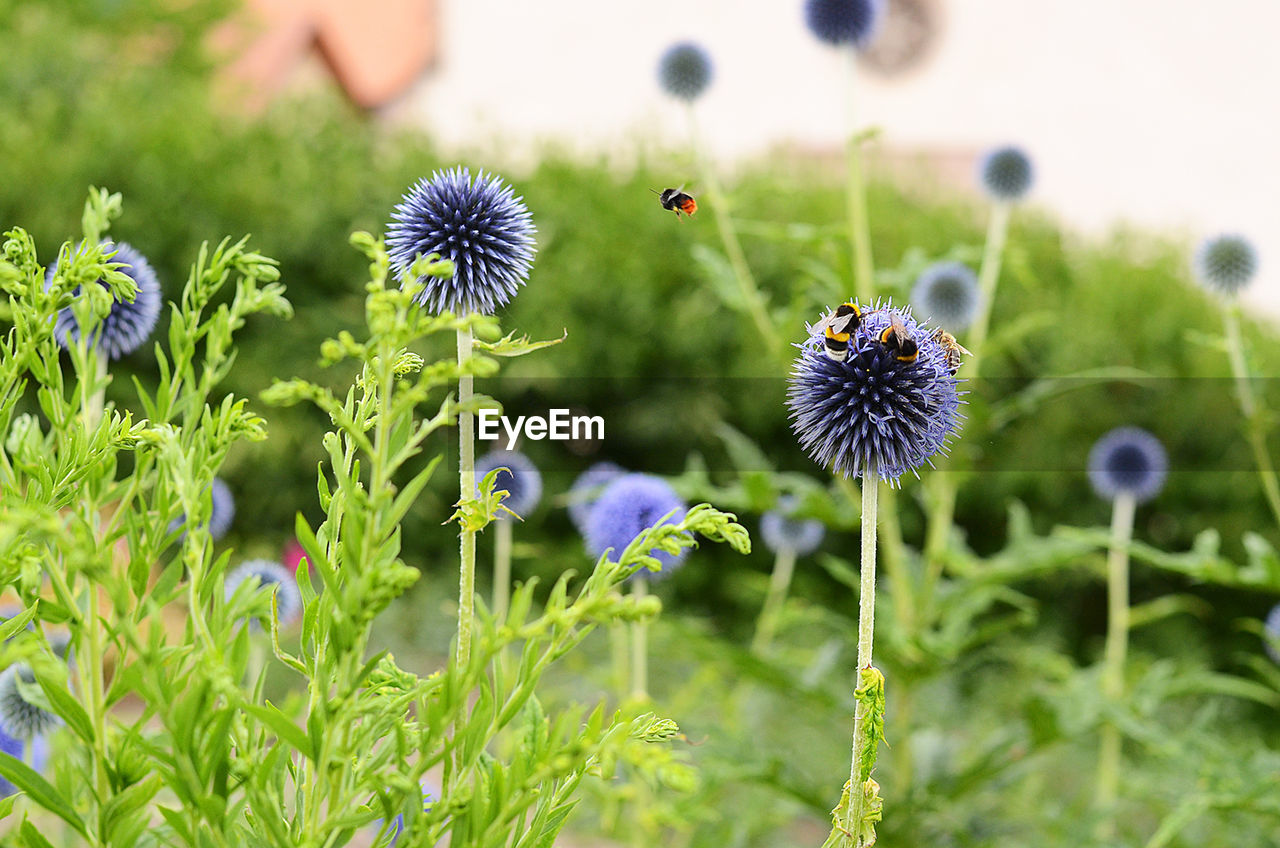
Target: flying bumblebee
{"points": [[898, 339], [952, 348], [838, 328], [677, 201]]}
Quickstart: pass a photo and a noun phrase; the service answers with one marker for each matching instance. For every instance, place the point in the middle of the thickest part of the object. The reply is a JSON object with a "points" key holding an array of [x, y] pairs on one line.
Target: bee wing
{"points": [[964, 349]]}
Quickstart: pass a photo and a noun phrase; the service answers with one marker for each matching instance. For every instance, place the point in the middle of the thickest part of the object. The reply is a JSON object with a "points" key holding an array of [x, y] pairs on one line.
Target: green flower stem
{"points": [[779, 582], [1117, 646], [866, 629], [94, 403], [1249, 407], [618, 651], [733, 249], [640, 644], [856, 190], [501, 567], [466, 489], [943, 500]]}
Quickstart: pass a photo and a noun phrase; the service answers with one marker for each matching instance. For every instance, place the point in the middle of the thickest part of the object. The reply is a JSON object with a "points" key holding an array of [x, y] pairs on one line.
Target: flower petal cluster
{"points": [[685, 71], [947, 292], [478, 224], [873, 410], [269, 575], [221, 514], [128, 325], [1006, 173], [782, 533], [1226, 263], [19, 717], [629, 505], [838, 22], [1128, 460], [587, 488], [521, 480]]}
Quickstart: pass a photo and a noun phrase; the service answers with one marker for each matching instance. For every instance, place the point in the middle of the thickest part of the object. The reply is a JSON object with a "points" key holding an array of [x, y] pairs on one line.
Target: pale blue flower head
{"points": [[782, 532], [1271, 629], [479, 224], [1006, 173], [269, 576], [947, 292], [1129, 461], [874, 410], [521, 480], [19, 717], [630, 504], [128, 325], [1226, 263], [838, 22], [222, 511], [684, 71], [586, 490], [14, 747]]}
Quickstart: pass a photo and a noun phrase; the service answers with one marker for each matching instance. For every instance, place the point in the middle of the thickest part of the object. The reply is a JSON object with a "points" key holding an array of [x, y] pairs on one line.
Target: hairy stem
{"points": [[640, 643], [1117, 646], [501, 567], [1249, 407], [856, 190], [467, 490], [779, 582], [866, 629]]}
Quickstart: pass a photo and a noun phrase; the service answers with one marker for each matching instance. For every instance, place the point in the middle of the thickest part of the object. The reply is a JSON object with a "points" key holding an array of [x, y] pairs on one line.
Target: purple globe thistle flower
{"points": [[220, 515], [781, 532], [127, 325], [1226, 263], [840, 22], [479, 224], [684, 71], [270, 576], [521, 480], [948, 293], [1006, 173], [18, 716], [630, 504], [874, 409], [14, 747], [1271, 627], [586, 490], [1128, 461]]}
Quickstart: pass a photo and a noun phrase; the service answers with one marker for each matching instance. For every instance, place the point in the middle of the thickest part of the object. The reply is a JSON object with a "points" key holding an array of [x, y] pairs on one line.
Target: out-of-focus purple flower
{"points": [[630, 504], [586, 490], [19, 717], [521, 480], [781, 532], [221, 514], [1006, 173], [947, 292], [1226, 263], [684, 71], [269, 575], [838, 22], [1128, 460], [14, 747]]}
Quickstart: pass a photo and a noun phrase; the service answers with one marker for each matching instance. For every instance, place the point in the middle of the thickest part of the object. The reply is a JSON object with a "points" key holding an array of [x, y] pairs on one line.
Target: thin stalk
{"points": [[95, 403], [1254, 420], [1117, 647], [783, 567], [751, 297], [856, 190], [866, 629], [618, 653], [467, 490], [501, 568], [640, 644]]}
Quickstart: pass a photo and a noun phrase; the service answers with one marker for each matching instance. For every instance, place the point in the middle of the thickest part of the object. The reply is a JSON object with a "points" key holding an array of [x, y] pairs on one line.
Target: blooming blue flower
{"points": [[480, 225], [127, 325], [1128, 460], [19, 717], [14, 747], [630, 504], [1006, 173], [684, 71], [1226, 263], [948, 293], [269, 575], [222, 511], [521, 480], [781, 532], [1272, 628], [844, 21], [873, 410], [586, 490]]}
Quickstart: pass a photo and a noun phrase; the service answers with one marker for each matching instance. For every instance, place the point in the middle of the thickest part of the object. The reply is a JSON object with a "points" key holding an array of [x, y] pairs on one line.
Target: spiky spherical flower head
{"points": [[1271, 628], [479, 224], [15, 747], [19, 717], [1226, 263], [1006, 173], [586, 490], [271, 576], [1128, 461], [127, 325], [840, 22], [874, 410], [520, 478], [684, 71], [781, 532], [222, 512], [630, 504], [947, 292]]}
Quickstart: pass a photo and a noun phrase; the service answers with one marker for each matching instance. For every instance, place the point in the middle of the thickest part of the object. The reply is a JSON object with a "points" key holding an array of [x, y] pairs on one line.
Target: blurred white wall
{"points": [[1156, 112]]}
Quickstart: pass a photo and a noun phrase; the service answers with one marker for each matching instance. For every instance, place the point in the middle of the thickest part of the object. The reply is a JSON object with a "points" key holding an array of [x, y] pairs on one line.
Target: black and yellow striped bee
{"points": [[838, 329], [952, 348], [897, 338]]}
